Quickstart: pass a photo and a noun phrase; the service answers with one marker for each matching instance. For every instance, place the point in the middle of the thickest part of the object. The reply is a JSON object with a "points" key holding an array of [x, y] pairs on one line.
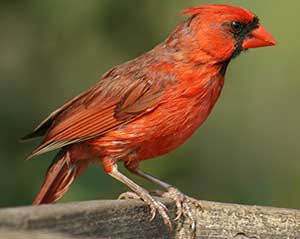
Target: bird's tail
{"points": [[59, 177]]}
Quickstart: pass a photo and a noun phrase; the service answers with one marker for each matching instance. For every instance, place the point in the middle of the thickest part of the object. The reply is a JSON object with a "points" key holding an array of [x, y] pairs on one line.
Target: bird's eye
{"points": [[237, 27]]}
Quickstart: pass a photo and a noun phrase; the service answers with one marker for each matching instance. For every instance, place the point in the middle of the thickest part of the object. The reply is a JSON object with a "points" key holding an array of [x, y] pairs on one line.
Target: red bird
{"points": [[148, 106]]}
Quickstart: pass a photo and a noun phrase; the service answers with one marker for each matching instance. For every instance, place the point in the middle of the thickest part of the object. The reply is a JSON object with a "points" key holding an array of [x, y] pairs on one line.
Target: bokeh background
{"points": [[247, 152]]}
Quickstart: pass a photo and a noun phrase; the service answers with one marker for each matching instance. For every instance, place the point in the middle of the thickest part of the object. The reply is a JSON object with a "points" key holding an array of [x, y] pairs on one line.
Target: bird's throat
{"points": [[224, 66]]}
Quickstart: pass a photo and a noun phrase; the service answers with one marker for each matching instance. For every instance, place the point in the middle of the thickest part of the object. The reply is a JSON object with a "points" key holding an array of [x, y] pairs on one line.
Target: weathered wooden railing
{"points": [[130, 219]]}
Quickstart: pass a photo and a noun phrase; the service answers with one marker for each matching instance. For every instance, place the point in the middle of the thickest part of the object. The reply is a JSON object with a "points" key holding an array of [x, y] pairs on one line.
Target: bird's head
{"points": [[221, 32]]}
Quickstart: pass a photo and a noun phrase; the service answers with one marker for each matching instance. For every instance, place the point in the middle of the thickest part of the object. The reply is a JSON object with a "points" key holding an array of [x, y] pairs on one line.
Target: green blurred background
{"points": [[247, 152]]}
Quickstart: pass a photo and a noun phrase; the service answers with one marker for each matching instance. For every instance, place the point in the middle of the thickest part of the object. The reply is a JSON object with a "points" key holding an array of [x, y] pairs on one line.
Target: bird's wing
{"points": [[43, 127], [116, 100]]}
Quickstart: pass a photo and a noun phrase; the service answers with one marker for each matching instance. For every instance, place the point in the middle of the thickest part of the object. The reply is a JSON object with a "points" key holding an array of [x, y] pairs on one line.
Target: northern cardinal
{"points": [[148, 106]]}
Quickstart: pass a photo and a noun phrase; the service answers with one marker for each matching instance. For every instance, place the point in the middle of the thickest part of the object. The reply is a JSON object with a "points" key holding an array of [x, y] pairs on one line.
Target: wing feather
{"points": [[98, 111]]}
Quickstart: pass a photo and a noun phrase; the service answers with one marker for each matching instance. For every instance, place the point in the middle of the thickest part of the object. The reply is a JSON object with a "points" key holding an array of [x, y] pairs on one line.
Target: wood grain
{"points": [[130, 219]]}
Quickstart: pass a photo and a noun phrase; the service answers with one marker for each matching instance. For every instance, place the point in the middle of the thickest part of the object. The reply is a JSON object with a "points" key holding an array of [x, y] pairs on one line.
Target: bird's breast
{"points": [[167, 127]]}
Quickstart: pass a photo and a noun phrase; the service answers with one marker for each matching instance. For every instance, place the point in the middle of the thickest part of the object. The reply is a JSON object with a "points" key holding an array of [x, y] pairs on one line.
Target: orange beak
{"points": [[259, 37]]}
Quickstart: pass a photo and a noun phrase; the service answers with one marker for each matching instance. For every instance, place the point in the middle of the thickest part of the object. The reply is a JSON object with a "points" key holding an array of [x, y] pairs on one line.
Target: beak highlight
{"points": [[259, 37]]}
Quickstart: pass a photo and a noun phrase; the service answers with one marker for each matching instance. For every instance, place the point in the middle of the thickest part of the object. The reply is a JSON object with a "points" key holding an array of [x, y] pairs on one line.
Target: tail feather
{"points": [[59, 177]]}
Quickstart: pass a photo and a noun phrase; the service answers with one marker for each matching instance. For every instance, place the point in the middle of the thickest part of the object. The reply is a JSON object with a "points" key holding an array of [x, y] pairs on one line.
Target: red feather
{"points": [[151, 105]]}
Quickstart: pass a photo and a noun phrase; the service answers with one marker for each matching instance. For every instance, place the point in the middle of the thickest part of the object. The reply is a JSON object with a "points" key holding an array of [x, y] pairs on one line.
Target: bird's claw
{"points": [[155, 206], [183, 203], [129, 195]]}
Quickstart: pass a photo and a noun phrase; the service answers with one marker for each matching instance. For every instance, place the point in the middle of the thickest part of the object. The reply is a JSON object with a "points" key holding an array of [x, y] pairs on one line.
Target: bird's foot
{"points": [[155, 206], [183, 204]]}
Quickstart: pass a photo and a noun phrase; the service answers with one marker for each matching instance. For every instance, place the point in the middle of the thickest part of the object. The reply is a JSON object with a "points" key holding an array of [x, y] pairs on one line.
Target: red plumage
{"points": [[150, 105]]}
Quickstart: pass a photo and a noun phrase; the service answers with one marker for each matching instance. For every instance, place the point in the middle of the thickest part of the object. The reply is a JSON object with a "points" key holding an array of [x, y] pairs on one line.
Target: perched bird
{"points": [[148, 106]]}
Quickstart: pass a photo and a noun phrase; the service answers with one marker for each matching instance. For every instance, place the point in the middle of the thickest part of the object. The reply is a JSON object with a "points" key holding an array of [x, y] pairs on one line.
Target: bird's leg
{"points": [[141, 193], [182, 201]]}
